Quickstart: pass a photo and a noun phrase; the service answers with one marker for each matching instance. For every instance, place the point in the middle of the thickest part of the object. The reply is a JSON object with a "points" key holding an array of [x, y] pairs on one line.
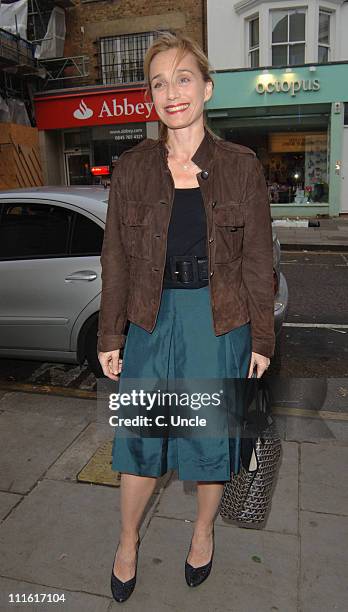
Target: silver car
{"points": [[50, 244]]}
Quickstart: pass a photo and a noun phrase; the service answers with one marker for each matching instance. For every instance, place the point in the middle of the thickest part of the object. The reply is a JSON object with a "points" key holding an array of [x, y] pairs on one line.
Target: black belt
{"points": [[185, 271]]}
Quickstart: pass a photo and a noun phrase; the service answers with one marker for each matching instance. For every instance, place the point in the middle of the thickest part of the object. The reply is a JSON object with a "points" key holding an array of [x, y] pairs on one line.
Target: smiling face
{"points": [[178, 92]]}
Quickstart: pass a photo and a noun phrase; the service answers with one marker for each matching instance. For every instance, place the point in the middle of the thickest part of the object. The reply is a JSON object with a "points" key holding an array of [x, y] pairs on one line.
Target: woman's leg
{"points": [[135, 493], [208, 500]]}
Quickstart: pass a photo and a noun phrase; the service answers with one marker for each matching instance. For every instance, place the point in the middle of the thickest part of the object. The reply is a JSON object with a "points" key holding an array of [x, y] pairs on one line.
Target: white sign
{"points": [[287, 86]]}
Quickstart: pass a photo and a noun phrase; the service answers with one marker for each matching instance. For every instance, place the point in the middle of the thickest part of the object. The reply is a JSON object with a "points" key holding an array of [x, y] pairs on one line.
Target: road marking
{"points": [[304, 263], [323, 325]]}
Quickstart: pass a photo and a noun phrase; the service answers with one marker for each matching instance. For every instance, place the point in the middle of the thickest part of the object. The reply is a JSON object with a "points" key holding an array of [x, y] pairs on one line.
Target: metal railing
{"points": [[15, 51]]}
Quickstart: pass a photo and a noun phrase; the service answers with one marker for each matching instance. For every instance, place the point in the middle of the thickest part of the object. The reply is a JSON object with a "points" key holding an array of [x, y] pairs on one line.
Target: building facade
{"points": [[282, 89], [84, 127]]}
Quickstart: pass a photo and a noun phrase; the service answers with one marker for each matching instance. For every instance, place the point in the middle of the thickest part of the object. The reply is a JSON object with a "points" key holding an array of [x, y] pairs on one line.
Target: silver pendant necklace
{"points": [[186, 166]]}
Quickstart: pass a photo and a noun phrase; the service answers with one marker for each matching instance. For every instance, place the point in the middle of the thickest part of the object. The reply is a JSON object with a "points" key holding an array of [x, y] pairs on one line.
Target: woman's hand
{"points": [[261, 362], [111, 363]]}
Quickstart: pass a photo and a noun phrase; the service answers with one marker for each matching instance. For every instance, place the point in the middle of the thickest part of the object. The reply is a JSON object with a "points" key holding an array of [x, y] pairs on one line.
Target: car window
{"points": [[34, 230], [87, 237]]}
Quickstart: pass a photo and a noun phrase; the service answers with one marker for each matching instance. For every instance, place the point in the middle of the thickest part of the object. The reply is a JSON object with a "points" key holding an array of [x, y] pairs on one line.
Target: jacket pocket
{"points": [[229, 230], [136, 220]]}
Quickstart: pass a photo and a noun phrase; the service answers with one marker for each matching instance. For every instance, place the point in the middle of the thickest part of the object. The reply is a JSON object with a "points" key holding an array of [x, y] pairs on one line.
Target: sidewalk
{"points": [[59, 535], [332, 235]]}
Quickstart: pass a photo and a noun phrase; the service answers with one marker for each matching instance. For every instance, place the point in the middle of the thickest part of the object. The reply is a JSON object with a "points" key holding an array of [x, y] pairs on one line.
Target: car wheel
{"points": [[91, 351]]}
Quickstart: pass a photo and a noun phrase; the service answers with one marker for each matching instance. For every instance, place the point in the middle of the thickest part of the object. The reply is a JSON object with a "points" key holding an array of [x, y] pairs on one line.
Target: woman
{"points": [[187, 259]]}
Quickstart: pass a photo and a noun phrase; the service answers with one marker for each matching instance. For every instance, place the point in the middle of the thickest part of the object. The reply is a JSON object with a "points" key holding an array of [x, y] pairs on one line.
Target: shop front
{"points": [[294, 121], [83, 132]]}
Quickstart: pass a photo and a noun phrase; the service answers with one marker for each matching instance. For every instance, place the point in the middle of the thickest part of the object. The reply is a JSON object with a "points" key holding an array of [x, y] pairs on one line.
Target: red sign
{"points": [[67, 110], [100, 170]]}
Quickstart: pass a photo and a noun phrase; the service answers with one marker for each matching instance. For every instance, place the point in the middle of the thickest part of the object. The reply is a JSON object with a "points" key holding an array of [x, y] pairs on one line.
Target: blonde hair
{"points": [[184, 45]]}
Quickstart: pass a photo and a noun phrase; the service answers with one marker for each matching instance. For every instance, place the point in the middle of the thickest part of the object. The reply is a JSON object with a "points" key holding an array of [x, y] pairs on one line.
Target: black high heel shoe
{"points": [[123, 590], [196, 575]]}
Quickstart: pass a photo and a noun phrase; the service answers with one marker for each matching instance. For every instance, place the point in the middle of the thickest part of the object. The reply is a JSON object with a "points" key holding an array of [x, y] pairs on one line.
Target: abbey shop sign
{"points": [[291, 86], [85, 108]]}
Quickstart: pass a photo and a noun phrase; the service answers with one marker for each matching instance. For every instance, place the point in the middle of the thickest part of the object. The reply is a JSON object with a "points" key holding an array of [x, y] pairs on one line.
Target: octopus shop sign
{"points": [[287, 86]]}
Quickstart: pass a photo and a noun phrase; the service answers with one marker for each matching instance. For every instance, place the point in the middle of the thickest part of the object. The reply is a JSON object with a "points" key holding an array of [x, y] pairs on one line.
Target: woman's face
{"points": [[178, 94]]}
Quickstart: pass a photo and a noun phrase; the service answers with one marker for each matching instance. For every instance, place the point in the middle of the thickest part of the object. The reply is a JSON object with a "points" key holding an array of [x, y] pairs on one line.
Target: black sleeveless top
{"points": [[187, 232]]}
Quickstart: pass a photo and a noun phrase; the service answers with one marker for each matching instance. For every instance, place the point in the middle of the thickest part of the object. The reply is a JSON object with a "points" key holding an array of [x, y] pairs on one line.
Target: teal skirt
{"points": [[183, 345]]}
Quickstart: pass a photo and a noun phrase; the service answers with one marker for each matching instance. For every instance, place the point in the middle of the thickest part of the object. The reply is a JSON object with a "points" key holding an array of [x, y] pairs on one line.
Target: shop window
{"points": [[345, 113], [297, 167], [324, 37], [34, 231], [122, 57], [87, 237], [254, 43], [288, 37], [292, 145]]}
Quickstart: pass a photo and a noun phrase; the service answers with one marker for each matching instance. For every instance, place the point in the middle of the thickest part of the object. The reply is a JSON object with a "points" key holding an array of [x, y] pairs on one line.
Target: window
{"points": [[254, 43], [324, 37], [293, 144], [345, 113], [122, 57], [87, 237], [288, 37], [34, 230]]}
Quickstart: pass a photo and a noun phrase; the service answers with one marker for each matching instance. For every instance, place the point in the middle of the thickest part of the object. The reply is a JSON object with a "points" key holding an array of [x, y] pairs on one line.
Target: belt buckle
{"points": [[179, 275]]}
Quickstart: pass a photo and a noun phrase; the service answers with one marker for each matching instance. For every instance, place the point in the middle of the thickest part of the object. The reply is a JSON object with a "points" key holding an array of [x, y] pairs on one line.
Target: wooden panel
{"points": [[20, 161]]}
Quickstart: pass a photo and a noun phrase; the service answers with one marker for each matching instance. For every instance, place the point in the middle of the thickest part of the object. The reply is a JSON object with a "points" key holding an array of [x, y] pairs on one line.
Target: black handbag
{"points": [[247, 496]]}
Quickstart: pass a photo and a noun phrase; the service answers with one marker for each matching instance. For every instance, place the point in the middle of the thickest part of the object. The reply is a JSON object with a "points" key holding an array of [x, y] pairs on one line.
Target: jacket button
{"points": [[211, 273], [204, 174], [213, 204], [211, 239]]}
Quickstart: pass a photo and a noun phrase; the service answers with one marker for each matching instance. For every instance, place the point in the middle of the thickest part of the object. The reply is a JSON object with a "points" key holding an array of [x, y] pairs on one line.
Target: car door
{"points": [[49, 270]]}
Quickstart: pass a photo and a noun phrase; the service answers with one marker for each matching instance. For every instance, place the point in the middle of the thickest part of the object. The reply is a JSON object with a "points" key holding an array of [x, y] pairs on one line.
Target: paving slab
{"points": [[324, 562], [8, 501], [49, 404], [252, 570], [64, 534], [78, 454], [178, 499], [303, 429], [323, 478], [30, 443], [73, 601]]}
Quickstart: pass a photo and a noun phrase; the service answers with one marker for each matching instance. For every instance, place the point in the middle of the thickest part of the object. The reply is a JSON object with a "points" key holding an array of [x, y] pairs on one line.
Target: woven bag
{"points": [[246, 497]]}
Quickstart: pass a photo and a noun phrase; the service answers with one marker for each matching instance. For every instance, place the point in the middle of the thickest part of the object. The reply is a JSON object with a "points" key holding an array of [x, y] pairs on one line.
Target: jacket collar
{"points": [[204, 154]]}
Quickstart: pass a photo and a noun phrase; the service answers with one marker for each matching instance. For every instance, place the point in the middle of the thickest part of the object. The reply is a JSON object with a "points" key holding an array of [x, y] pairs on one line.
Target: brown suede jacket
{"points": [[239, 241]]}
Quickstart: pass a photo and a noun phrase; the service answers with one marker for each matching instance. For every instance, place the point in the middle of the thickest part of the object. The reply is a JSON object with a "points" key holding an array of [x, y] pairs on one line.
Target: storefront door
{"points": [[78, 169], [344, 192]]}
